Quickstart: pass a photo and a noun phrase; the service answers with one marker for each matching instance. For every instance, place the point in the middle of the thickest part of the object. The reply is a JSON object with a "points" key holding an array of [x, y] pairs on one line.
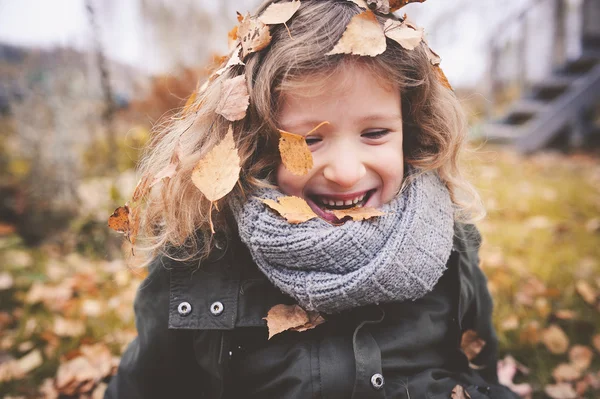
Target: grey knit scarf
{"points": [[395, 257]]}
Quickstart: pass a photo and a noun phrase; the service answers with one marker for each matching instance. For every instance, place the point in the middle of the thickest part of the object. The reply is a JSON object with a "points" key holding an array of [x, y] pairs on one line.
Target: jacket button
{"points": [[377, 381], [184, 308], [216, 308]]}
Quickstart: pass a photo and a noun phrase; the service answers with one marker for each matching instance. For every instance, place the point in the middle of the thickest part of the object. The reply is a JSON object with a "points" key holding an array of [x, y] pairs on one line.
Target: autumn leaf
{"points": [[234, 99], [442, 77], [169, 171], [404, 35], [295, 154], [397, 4], [218, 171], [233, 60], [232, 38], [561, 390], [281, 318], [357, 213], [119, 220], [187, 108], [507, 369], [587, 292], [555, 339], [596, 342], [279, 13], [253, 34], [458, 392], [294, 209], [363, 36], [580, 357], [565, 372], [471, 344]]}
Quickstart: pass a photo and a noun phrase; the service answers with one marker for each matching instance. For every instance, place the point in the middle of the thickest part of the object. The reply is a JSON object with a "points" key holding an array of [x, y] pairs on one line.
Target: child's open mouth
{"points": [[324, 205]]}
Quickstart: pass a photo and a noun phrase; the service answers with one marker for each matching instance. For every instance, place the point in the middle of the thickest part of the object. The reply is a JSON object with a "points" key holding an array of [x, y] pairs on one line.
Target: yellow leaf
{"points": [[363, 36], [218, 171], [295, 154], [357, 213], [471, 344], [281, 318], [279, 13], [234, 99], [555, 339], [404, 35], [293, 209], [253, 34]]}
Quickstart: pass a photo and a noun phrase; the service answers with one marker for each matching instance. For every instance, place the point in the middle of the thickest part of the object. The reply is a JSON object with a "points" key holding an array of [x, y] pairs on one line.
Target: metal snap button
{"points": [[377, 381], [184, 308], [216, 308]]}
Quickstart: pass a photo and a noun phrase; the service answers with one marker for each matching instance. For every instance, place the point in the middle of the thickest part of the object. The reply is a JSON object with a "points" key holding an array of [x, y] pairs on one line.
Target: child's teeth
{"points": [[339, 203], [349, 202], [355, 200]]}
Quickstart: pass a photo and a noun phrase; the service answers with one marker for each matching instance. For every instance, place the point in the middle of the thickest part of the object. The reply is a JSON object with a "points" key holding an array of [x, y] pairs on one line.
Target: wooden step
{"points": [[523, 110], [551, 88], [501, 132]]}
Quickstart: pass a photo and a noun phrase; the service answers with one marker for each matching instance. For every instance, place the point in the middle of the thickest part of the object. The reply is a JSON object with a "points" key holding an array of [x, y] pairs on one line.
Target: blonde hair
{"points": [[435, 127]]}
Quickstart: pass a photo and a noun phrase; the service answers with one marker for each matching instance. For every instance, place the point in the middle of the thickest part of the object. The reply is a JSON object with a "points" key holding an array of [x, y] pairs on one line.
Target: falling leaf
{"points": [[295, 154], [233, 60], [562, 390], [458, 392], [281, 318], [314, 319], [565, 372], [218, 171], [253, 34], [279, 13], [442, 77], [358, 213], [587, 292], [234, 99], [119, 220], [293, 209], [169, 171], [363, 36], [402, 34], [580, 357], [471, 344], [397, 4], [555, 339]]}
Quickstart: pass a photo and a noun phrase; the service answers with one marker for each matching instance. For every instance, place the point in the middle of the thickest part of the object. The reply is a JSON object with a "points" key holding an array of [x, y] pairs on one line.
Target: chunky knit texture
{"points": [[396, 257]]}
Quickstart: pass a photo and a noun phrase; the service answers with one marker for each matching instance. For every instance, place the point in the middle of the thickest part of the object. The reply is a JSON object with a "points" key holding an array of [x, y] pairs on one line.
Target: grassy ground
{"points": [[64, 313]]}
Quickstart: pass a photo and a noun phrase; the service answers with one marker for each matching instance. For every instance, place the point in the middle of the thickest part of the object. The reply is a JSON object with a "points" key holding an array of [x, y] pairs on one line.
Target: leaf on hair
{"points": [[169, 171], [407, 36], [442, 77], [357, 213], [295, 154], [363, 36], [234, 99], [294, 209], [253, 34], [233, 60], [279, 13], [232, 38], [398, 4]]}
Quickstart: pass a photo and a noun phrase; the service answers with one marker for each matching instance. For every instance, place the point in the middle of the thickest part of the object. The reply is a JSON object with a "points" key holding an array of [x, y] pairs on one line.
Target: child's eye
{"points": [[377, 134], [312, 140]]}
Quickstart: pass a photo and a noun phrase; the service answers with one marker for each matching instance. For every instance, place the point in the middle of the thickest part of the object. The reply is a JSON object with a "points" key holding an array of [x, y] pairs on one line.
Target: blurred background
{"points": [[83, 82]]}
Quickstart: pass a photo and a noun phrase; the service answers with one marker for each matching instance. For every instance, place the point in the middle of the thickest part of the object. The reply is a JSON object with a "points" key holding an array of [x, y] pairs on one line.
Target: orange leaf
{"points": [[253, 34], [294, 209], [458, 392], [234, 99], [555, 339], [233, 60], [295, 154], [314, 319], [403, 34], [397, 4], [279, 13], [217, 172], [119, 220], [281, 318], [363, 36], [232, 38], [442, 77], [357, 213], [580, 357], [471, 344], [190, 102]]}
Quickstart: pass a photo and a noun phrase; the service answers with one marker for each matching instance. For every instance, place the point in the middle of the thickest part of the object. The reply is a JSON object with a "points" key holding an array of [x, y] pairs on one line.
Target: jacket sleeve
{"points": [[159, 363]]}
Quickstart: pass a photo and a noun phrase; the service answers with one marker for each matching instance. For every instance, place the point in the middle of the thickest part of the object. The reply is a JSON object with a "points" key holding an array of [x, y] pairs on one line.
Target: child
{"points": [[394, 293]]}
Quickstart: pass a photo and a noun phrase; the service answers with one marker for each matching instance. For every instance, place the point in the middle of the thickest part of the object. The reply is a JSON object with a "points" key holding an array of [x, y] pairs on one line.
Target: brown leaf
{"points": [[218, 171], [68, 328], [561, 390], [404, 35], [580, 357], [284, 317], [555, 339], [233, 60], [295, 154], [119, 220], [279, 13], [363, 36], [442, 77], [471, 344], [596, 342], [397, 4], [169, 171], [293, 209], [565, 372], [357, 213], [314, 319], [234, 99], [458, 392], [253, 34], [565, 314], [232, 38], [587, 292]]}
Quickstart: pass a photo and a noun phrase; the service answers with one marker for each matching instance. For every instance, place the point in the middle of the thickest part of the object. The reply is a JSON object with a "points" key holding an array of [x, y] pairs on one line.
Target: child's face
{"points": [[358, 158]]}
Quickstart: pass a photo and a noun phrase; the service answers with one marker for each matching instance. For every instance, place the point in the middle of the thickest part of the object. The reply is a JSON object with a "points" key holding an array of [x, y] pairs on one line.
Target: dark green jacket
{"points": [[202, 335]]}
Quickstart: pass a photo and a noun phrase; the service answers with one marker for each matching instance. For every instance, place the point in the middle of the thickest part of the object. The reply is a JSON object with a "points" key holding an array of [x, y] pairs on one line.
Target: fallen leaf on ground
{"points": [[279, 13], [30, 361], [357, 213], [596, 342], [234, 99], [169, 171], [562, 390], [458, 392], [471, 344], [295, 154], [587, 292], [565, 372], [565, 314], [6, 281], [363, 36], [555, 339], [397, 4], [253, 34], [281, 318], [510, 323], [82, 373], [293, 209], [402, 34], [507, 369], [580, 357], [68, 328]]}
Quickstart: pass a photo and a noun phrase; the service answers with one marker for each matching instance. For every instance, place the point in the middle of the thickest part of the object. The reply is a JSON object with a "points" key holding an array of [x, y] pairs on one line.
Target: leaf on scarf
{"points": [[281, 318], [253, 34], [169, 171], [357, 213], [294, 209], [363, 36], [295, 154], [555, 339], [218, 171], [442, 77], [279, 13], [471, 344], [458, 392], [403, 34], [234, 99], [119, 220], [398, 4], [233, 60]]}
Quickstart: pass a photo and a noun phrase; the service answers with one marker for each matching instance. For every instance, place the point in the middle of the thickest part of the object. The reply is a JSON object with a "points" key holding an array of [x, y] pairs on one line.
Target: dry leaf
{"points": [[253, 34], [587, 292], [565, 314], [314, 319], [442, 77], [141, 189], [233, 60], [471, 344], [431, 55], [68, 328], [565, 372], [397, 4], [284, 317], [30, 361], [363, 36], [234, 99], [6, 281], [580, 357], [507, 368], [169, 171], [596, 342], [218, 171], [293, 209], [279, 13], [404, 35], [357, 213], [458, 392], [510, 323], [119, 220], [562, 390], [232, 38], [295, 154], [555, 339]]}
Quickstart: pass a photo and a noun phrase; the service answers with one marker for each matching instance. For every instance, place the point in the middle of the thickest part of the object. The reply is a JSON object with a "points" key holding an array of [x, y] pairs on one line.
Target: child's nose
{"points": [[345, 170]]}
